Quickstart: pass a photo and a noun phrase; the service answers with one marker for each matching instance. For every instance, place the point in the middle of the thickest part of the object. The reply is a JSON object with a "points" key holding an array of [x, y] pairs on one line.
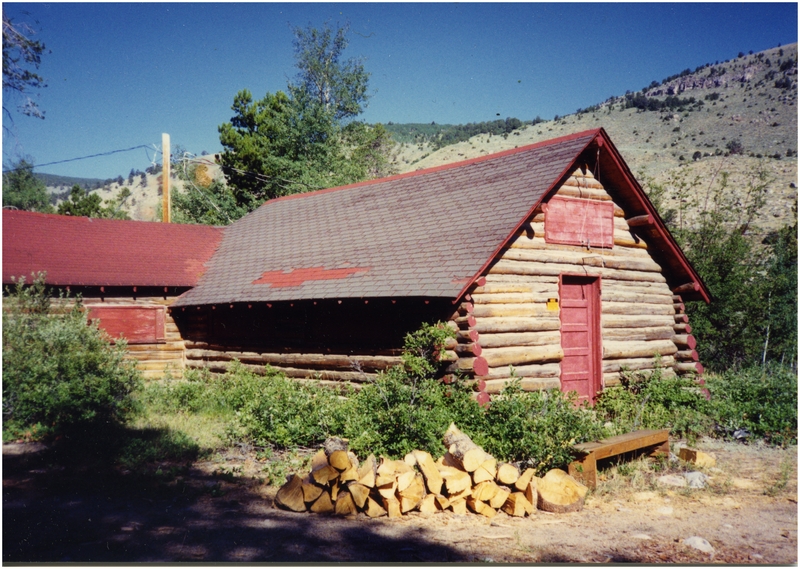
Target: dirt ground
{"points": [[54, 512]]}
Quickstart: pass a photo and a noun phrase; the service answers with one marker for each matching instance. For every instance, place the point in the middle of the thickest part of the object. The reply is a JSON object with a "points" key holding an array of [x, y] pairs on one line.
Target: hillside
{"points": [[736, 116], [750, 100]]}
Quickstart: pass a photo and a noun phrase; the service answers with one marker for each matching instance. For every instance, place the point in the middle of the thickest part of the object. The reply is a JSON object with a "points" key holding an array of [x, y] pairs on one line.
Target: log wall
{"points": [[155, 359], [508, 325]]}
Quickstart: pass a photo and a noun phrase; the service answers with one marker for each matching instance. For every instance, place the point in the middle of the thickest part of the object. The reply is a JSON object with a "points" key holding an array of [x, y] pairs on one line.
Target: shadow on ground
{"points": [[61, 506]]}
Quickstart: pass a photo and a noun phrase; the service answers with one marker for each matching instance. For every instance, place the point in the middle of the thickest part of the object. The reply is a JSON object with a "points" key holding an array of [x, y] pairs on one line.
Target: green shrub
{"points": [[408, 407], [648, 400], [59, 371], [761, 400], [536, 427]]}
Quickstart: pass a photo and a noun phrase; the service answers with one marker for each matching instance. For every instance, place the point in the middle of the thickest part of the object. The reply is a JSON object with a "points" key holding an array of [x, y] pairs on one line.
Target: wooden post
{"points": [[166, 203]]}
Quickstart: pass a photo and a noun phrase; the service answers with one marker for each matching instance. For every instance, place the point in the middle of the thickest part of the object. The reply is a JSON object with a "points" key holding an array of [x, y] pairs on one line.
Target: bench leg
{"points": [[585, 470], [661, 450]]}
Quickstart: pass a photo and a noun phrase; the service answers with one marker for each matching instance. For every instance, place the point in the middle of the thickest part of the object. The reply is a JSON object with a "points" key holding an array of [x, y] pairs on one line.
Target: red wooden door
{"points": [[580, 336]]}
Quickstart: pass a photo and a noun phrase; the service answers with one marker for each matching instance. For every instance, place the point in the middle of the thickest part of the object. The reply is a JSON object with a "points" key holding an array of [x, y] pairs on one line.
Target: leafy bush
{"points": [[761, 400], [408, 407], [648, 400], [59, 371], [537, 427]]}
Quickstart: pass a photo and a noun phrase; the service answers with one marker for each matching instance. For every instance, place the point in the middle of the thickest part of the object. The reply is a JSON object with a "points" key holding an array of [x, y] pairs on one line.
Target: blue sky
{"points": [[121, 74]]}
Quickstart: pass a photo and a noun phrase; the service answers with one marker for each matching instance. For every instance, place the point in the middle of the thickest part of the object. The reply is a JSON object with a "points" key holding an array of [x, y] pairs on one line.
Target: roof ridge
{"points": [[442, 167]]}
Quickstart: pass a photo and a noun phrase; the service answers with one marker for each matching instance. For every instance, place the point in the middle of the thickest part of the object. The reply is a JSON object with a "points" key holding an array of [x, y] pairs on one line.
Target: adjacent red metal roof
{"points": [[80, 251]]}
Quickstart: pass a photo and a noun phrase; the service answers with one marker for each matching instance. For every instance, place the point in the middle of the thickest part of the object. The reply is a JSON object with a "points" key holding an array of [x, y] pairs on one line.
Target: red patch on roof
{"points": [[296, 277], [80, 251]]}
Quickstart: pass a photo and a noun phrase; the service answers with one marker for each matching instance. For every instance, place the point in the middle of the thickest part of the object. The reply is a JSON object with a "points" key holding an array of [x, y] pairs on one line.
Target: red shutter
{"points": [[137, 324], [579, 222]]}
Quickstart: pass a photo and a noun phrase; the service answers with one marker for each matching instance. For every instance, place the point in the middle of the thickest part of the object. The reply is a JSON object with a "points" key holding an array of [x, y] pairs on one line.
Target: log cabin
{"points": [[548, 261], [126, 272]]}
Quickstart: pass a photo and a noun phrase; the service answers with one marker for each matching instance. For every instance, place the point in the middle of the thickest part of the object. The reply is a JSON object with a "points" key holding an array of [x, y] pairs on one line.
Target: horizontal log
{"points": [[494, 386], [512, 267], [583, 193], [633, 308], [159, 366], [511, 339], [682, 328], [468, 336], [635, 321], [476, 365], [464, 308], [685, 341], [687, 355], [681, 318], [491, 325], [629, 241], [167, 346], [509, 278], [641, 220], [636, 364], [612, 378], [523, 287], [311, 361], [677, 298], [535, 371], [679, 307], [625, 350], [643, 287], [639, 334], [687, 287], [496, 357], [381, 353], [585, 259], [473, 349], [615, 295], [465, 321], [513, 297], [155, 355], [295, 373], [521, 241], [511, 310], [689, 367]]}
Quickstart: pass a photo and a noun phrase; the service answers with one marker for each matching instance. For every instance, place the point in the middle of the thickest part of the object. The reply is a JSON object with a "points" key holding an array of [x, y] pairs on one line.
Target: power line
{"points": [[83, 157]]}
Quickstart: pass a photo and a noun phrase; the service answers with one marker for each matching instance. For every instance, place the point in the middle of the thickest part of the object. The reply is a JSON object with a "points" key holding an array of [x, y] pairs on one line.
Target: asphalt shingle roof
{"points": [[427, 233], [80, 251]]}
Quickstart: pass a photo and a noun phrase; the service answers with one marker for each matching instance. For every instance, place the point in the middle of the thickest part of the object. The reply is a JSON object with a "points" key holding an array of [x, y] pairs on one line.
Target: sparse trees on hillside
{"points": [[86, 204]]}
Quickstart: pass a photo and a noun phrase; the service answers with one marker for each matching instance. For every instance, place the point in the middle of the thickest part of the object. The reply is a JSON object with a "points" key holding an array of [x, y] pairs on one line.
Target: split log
{"points": [[433, 478], [344, 505], [322, 505], [507, 474], [412, 495], [311, 491], [626, 350], [290, 495], [428, 504], [517, 505], [500, 497], [455, 481], [325, 474], [458, 506], [373, 509], [480, 507], [368, 472], [359, 493], [487, 471], [468, 455], [560, 493], [496, 357], [392, 507], [339, 460], [524, 479]]}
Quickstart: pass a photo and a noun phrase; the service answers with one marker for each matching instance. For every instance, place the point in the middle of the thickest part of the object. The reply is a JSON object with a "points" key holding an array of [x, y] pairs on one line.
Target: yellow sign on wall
{"points": [[552, 304]]}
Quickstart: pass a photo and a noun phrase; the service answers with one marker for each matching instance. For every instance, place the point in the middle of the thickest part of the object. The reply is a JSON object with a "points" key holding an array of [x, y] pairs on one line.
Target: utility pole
{"points": [[166, 203]]}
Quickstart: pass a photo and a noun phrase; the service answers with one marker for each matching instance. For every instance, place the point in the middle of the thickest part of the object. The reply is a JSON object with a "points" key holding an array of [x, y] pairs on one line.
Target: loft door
{"points": [[581, 367]]}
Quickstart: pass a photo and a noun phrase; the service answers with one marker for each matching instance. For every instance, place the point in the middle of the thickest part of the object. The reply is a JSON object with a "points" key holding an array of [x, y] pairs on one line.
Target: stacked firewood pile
{"points": [[465, 479]]}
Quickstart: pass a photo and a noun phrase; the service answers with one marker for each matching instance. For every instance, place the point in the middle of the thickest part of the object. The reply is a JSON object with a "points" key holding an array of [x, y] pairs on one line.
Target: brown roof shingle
{"points": [[427, 233]]}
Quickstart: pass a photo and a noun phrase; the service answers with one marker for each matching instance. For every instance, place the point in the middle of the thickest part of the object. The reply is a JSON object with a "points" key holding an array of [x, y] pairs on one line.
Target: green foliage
{"points": [[537, 427], [23, 190], [648, 400], [761, 400], [86, 204], [212, 205], [294, 141], [408, 407], [58, 370], [338, 85]]}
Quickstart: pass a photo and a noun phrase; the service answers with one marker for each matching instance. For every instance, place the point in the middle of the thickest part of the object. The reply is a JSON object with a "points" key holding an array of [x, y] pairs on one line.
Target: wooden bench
{"points": [[585, 467]]}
